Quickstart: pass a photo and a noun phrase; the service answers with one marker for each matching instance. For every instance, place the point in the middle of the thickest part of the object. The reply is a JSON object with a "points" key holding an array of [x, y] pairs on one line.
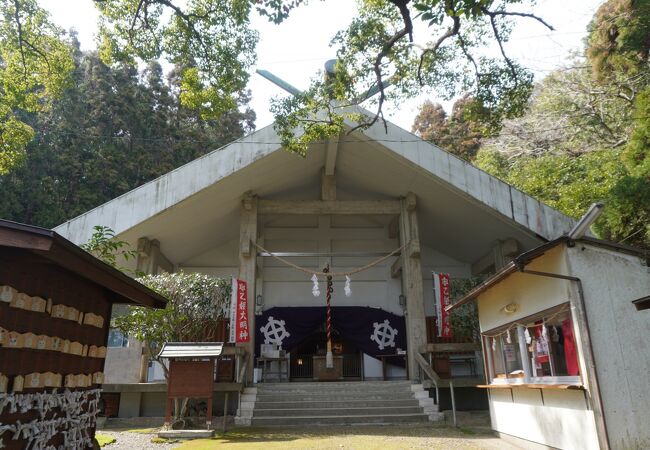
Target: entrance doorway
{"points": [[314, 346]]}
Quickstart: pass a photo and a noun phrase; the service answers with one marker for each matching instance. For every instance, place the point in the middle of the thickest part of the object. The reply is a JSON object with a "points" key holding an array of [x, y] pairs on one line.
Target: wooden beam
{"points": [[452, 347], [150, 259], [499, 256], [327, 186], [318, 207], [330, 155], [412, 287], [248, 267]]}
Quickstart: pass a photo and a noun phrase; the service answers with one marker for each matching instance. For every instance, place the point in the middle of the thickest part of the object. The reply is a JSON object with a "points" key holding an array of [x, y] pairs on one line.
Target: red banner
{"points": [[239, 331], [443, 299]]}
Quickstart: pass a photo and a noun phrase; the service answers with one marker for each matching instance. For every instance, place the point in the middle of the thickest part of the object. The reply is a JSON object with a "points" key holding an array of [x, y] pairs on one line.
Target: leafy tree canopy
{"points": [[195, 302], [114, 129], [460, 133], [34, 69], [214, 39]]}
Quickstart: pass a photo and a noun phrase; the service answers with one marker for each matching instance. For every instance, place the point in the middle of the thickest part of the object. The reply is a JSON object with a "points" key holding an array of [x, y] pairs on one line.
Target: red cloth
{"points": [[570, 352]]}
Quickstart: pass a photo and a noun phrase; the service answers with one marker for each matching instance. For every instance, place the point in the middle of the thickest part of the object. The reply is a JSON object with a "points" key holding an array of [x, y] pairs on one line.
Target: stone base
{"points": [[185, 434]]}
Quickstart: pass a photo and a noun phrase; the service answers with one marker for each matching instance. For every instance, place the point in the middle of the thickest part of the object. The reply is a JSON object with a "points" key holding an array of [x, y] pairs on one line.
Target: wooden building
{"points": [[566, 352], [55, 309]]}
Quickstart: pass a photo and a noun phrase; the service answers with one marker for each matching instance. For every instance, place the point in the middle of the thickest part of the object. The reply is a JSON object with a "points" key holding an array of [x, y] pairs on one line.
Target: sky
{"points": [[297, 49]]}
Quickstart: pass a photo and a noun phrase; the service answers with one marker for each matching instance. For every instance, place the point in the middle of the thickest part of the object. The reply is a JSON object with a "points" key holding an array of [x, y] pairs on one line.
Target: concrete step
{"points": [[318, 397], [271, 385], [315, 420], [349, 411], [338, 404], [289, 390], [357, 385]]}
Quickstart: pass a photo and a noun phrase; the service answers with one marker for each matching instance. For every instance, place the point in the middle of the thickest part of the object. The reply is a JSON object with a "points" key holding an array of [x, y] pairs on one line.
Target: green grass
{"points": [[393, 437], [104, 440]]}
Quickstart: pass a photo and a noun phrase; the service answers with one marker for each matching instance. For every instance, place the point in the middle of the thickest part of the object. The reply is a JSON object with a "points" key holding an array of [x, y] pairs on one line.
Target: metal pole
{"points": [[453, 401]]}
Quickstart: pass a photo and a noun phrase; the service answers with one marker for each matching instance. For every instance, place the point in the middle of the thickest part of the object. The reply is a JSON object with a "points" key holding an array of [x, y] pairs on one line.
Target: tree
{"points": [[194, 304], [35, 65], [214, 38], [460, 133], [112, 130], [378, 49]]}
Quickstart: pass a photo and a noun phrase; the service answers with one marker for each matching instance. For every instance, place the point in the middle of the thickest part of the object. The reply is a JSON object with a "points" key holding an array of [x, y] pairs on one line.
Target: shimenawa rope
{"points": [[330, 274]]}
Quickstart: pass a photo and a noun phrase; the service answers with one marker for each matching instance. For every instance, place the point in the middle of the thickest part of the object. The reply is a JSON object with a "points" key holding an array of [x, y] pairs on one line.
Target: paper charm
{"points": [[527, 335], [508, 338], [315, 290], [21, 301], [494, 344], [38, 304], [347, 288], [7, 294], [544, 332]]}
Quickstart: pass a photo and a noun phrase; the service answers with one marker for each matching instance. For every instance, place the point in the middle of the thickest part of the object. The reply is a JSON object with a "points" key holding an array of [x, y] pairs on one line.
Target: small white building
{"points": [[566, 351]]}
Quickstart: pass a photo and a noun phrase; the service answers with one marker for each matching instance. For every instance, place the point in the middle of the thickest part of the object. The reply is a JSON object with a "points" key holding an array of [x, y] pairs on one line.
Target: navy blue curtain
{"points": [[371, 330]]}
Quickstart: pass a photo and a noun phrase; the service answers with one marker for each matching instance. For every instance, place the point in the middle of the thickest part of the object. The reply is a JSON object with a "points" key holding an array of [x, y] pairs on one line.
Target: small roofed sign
{"points": [[239, 331], [442, 288]]}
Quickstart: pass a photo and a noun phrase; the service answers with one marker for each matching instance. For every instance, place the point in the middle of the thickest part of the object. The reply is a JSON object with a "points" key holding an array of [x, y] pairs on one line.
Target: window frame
{"points": [[125, 339], [487, 336]]}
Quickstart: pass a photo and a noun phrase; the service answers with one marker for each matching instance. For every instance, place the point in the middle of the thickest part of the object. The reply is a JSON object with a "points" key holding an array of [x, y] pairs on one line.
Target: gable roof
{"points": [[372, 162], [519, 263], [46, 245]]}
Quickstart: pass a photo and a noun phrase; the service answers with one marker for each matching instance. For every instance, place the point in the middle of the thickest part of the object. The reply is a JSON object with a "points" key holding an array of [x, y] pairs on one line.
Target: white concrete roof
{"points": [[462, 210]]}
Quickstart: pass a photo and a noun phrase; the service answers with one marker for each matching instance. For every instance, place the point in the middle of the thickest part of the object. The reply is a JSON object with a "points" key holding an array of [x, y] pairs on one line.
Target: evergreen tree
{"points": [[111, 131]]}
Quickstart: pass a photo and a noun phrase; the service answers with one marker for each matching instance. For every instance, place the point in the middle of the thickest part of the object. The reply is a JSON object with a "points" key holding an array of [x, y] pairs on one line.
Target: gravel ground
{"points": [[355, 437], [127, 440]]}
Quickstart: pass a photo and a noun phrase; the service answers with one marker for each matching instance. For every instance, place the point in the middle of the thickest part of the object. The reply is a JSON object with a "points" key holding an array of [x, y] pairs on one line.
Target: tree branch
{"points": [[452, 31], [20, 35], [517, 14]]}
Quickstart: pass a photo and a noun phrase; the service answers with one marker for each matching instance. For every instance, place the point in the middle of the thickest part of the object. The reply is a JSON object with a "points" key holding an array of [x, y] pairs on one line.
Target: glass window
{"points": [[117, 339], [538, 349]]}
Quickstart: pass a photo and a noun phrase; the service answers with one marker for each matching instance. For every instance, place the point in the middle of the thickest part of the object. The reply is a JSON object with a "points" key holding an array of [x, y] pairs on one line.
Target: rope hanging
{"points": [[329, 358], [330, 274]]}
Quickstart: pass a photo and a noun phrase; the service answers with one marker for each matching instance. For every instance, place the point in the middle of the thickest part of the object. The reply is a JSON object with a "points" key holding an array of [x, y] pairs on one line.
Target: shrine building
{"points": [[353, 200]]}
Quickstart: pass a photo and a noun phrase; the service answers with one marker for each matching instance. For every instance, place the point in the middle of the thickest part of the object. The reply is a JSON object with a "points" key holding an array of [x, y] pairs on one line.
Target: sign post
{"points": [[239, 331], [442, 287]]}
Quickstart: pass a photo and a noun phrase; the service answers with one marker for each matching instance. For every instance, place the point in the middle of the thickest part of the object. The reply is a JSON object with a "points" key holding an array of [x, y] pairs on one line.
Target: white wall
{"points": [[620, 337], [557, 418], [531, 293]]}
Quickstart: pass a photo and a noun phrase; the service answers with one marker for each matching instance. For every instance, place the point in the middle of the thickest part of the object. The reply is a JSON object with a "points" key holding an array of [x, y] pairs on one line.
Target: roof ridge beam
{"points": [[325, 207]]}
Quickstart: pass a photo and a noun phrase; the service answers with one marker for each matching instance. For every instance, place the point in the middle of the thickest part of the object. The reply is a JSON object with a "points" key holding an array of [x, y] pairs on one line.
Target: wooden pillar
{"points": [[248, 267], [412, 282]]}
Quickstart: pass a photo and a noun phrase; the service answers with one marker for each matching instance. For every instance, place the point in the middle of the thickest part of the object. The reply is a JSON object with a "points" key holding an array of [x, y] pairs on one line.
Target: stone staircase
{"points": [[340, 403]]}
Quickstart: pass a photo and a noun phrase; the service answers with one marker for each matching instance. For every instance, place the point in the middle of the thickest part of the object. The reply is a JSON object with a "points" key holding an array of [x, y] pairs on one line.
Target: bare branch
{"points": [[495, 31], [20, 35], [141, 3], [452, 31], [517, 14]]}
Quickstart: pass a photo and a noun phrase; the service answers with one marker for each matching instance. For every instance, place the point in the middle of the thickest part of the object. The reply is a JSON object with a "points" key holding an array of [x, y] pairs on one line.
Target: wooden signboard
{"points": [[190, 379]]}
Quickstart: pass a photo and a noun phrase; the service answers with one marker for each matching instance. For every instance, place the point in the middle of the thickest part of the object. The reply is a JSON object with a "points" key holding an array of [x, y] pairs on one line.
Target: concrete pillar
{"points": [[248, 267], [412, 282]]}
